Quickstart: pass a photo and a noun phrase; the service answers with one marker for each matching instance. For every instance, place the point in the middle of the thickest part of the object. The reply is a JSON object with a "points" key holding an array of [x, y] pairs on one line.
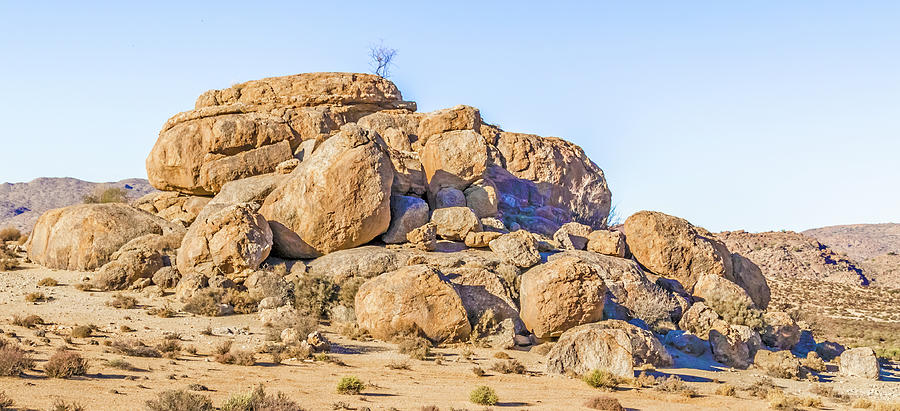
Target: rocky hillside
{"points": [[22, 203], [860, 241]]}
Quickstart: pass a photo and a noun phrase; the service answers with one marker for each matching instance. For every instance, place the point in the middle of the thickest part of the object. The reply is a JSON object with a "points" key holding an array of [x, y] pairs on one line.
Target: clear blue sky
{"points": [[762, 115]]}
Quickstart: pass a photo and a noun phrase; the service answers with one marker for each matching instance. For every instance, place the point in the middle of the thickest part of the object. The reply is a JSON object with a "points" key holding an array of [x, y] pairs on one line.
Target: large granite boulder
{"points": [[559, 295], [412, 299], [454, 159], [781, 364], [250, 128], [572, 236], [84, 236], [229, 241], [589, 347], [338, 198], [172, 206], [674, 248], [715, 290], [749, 277], [700, 319], [360, 262], [645, 347], [860, 362], [407, 214], [139, 258], [781, 331], [519, 248], [734, 345], [455, 223], [607, 242]]}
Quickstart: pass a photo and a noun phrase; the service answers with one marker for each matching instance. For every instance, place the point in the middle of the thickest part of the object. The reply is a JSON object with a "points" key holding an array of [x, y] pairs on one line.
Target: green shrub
{"points": [[483, 395], [180, 400], [736, 312], [350, 386], [602, 379]]}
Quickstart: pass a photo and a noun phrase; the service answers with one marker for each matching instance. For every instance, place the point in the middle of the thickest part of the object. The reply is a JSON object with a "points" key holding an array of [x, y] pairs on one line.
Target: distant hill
{"points": [[875, 246], [22, 203]]}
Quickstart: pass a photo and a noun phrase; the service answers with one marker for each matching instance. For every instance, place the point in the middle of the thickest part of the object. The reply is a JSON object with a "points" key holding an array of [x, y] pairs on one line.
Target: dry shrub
{"points": [[169, 346], [354, 332], [778, 400], [862, 403], [314, 295], [242, 302], [602, 379], [501, 355], [416, 347], [511, 366], [28, 321], [542, 349], [134, 348], [48, 282], [657, 305], [5, 401], [122, 301], [35, 297], [258, 400], [735, 311], [226, 354], [478, 371], [811, 402], [302, 323], [348, 290], [9, 234], [675, 385], [180, 400], [398, 364], [81, 331], [761, 387], [727, 390], [161, 312], [280, 352], [60, 405], [204, 302], [813, 362], [106, 195], [350, 386], [644, 380], [13, 360], [65, 363], [604, 403], [120, 364]]}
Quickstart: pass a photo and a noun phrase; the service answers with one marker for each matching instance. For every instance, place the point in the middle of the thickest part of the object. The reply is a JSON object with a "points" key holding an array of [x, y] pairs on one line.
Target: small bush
{"points": [[511, 366], [398, 365], [657, 306], [107, 195], [727, 390], [225, 354], [48, 282], [478, 371], [28, 321], [5, 401], [60, 405], [180, 400], [644, 380], [120, 364], [13, 360], [501, 355], [542, 349], [761, 387], [862, 403], [675, 385], [416, 347], [314, 295], [35, 297], [65, 363], [8, 262], [161, 312], [602, 379], [134, 348], [81, 331], [736, 312], [205, 302], [811, 402], [350, 386], [604, 403], [9, 234], [780, 401], [258, 400], [483, 395], [122, 301], [813, 362]]}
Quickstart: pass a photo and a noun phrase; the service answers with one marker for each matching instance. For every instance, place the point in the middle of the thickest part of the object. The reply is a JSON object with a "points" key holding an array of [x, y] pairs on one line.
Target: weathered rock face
{"points": [[749, 277], [424, 238], [229, 241], [454, 159], [455, 223], [482, 198], [484, 292], [590, 347], [519, 248], [565, 178], [572, 236], [250, 128], [246, 190], [559, 295], [700, 319], [673, 248], [710, 287], [733, 345], [686, 342], [361, 262], [480, 239], [413, 297], [645, 347], [172, 206], [407, 214], [860, 362], [84, 236], [449, 197], [781, 331], [607, 242], [628, 286], [338, 198], [140, 258]]}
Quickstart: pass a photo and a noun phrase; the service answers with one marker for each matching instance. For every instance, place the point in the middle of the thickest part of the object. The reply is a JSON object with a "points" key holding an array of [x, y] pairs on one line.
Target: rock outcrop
{"points": [[860, 362], [338, 198], [589, 347], [674, 248], [412, 299], [519, 248], [84, 237], [559, 295], [229, 241]]}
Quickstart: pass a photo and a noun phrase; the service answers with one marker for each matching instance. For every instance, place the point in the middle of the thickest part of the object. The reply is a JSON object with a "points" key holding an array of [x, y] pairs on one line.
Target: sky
{"points": [[763, 115]]}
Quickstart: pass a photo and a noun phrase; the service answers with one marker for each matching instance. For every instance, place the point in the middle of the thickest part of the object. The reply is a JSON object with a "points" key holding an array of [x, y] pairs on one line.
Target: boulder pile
{"points": [[434, 224]]}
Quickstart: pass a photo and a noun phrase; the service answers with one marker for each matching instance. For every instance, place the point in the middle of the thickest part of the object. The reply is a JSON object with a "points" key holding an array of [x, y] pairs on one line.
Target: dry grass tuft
{"points": [[35, 297], [28, 321], [122, 301], [48, 282], [604, 403], [180, 400], [510, 366]]}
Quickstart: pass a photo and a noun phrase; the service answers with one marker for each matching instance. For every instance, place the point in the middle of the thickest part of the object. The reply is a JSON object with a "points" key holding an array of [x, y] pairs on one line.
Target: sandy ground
{"points": [[312, 384]]}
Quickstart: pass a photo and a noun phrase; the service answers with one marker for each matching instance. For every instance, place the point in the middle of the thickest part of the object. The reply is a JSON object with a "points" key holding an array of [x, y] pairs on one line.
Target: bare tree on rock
{"points": [[381, 58]]}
